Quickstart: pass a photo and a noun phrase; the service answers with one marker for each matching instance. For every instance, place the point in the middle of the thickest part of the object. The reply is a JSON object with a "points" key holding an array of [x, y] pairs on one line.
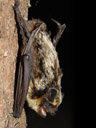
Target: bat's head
{"points": [[50, 102]]}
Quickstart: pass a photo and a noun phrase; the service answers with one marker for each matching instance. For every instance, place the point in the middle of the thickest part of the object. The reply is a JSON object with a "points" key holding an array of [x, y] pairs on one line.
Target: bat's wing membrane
{"points": [[25, 71], [22, 86]]}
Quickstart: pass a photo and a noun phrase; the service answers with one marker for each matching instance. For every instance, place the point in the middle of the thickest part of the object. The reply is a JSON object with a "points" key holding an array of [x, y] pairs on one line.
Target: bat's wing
{"points": [[25, 71], [22, 86]]}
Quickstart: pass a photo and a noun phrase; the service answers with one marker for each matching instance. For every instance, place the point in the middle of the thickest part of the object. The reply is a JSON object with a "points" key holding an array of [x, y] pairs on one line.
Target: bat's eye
{"points": [[52, 94]]}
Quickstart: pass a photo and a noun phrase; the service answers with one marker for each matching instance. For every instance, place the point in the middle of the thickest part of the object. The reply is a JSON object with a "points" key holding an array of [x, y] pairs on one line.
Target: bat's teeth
{"points": [[43, 112]]}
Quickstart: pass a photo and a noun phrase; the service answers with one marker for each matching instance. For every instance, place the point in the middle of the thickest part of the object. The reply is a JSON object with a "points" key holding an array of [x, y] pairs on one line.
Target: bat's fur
{"points": [[46, 73]]}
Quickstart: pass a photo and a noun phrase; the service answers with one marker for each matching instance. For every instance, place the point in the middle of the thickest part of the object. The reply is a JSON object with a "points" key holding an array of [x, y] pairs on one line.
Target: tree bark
{"points": [[8, 58]]}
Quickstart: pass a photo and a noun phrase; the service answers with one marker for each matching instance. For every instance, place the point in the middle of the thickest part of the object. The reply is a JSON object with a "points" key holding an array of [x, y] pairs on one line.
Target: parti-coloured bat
{"points": [[39, 75]]}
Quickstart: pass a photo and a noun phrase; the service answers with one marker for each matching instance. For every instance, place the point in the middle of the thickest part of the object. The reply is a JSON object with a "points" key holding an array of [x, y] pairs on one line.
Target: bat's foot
{"points": [[59, 33]]}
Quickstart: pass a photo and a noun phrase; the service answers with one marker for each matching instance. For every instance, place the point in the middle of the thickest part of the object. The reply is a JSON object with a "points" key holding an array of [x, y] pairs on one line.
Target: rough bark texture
{"points": [[8, 57]]}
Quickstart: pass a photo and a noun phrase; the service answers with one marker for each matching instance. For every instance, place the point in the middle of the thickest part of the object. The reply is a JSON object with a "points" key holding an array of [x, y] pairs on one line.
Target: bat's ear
{"points": [[51, 94]]}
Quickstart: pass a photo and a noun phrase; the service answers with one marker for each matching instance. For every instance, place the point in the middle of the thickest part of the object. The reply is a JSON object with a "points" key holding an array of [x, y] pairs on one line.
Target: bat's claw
{"points": [[59, 25], [59, 33], [16, 114]]}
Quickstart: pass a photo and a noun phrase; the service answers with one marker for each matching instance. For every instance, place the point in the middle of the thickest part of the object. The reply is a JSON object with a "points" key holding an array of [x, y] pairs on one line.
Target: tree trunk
{"points": [[8, 58]]}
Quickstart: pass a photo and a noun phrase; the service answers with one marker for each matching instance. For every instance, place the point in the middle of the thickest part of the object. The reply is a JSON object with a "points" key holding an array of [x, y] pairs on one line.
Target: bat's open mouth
{"points": [[49, 102], [43, 112]]}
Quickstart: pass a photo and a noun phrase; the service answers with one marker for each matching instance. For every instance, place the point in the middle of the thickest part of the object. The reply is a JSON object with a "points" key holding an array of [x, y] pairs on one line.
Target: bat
{"points": [[39, 75]]}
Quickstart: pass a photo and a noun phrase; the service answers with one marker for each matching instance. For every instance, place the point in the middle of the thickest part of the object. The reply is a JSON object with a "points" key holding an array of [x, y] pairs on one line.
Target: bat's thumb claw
{"points": [[16, 115]]}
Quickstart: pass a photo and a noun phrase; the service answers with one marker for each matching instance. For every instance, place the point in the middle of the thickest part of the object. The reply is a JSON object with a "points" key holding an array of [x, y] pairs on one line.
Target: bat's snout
{"points": [[50, 102]]}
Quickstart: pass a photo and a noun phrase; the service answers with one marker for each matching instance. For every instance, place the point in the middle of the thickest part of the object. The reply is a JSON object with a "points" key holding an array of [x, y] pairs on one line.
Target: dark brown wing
{"points": [[25, 72], [22, 85]]}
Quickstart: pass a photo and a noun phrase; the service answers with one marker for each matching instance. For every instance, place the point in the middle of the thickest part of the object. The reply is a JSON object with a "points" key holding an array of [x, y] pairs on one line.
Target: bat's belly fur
{"points": [[46, 72], [47, 65]]}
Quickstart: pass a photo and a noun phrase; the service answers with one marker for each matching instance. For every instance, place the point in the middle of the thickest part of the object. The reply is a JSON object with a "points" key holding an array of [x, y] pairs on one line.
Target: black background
{"points": [[62, 11]]}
